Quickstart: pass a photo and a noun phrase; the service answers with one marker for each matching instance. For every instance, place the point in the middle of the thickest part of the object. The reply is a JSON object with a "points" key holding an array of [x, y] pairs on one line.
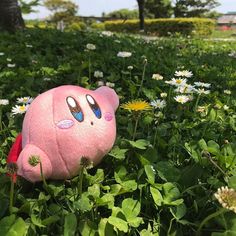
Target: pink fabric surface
{"points": [[59, 138]]}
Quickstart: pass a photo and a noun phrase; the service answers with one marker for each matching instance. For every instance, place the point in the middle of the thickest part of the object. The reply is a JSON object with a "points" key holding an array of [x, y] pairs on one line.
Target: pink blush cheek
{"points": [[108, 116]]}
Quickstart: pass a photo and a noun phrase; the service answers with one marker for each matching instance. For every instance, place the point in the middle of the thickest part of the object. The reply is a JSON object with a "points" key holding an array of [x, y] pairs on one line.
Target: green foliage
{"points": [[163, 27], [62, 9], [160, 183], [123, 14], [159, 8], [194, 8]]}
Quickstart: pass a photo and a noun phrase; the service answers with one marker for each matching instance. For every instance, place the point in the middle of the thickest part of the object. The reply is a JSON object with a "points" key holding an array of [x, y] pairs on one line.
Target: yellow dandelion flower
{"points": [[136, 105]]}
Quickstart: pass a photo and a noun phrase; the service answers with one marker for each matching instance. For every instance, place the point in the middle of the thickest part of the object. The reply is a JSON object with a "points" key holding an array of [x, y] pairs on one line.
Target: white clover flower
{"points": [[130, 67], [100, 83], [202, 91], [117, 41], [232, 54], [107, 33], [177, 82], [2, 53], [225, 107], [227, 198], [163, 95], [158, 103], [90, 46], [185, 88], [201, 84], [157, 77], [9, 59], [4, 102], [28, 45], [184, 73], [19, 109], [47, 79], [111, 85], [124, 54], [11, 65], [25, 100], [98, 74], [182, 99], [160, 47], [201, 109], [226, 91]]}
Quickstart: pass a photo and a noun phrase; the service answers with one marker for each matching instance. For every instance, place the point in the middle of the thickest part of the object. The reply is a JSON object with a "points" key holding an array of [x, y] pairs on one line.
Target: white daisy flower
{"points": [[201, 84], [90, 46], [11, 65], [2, 53], [130, 67], [184, 73], [226, 91], [202, 91], [177, 82], [163, 95], [185, 88], [158, 103], [4, 102], [98, 74], [182, 99], [124, 54], [25, 100], [28, 45], [9, 59], [19, 109], [157, 77]]}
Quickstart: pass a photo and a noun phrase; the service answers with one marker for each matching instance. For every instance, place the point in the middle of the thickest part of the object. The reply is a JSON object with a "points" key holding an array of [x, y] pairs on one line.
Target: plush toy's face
{"points": [[65, 124]]}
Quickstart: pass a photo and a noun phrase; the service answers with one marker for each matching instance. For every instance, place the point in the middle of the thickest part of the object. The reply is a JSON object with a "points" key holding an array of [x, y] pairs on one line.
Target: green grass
{"points": [[224, 34], [166, 164]]}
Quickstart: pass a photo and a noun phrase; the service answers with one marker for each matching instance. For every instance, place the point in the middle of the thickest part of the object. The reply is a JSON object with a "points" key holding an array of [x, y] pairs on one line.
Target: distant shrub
{"points": [[99, 26], [76, 26], [165, 26]]}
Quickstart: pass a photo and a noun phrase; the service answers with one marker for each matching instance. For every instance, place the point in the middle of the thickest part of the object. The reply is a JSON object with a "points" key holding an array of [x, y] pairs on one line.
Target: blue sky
{"points": [[96, 7]]}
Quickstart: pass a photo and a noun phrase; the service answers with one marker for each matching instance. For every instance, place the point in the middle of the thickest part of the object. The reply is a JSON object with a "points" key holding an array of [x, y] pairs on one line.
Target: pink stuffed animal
{"points": [[64, 124]]}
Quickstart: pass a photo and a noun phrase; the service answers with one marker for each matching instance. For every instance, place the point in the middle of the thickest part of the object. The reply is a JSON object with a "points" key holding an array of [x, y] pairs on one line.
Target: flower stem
{"points": [[196, 104], [135, 126], [143, 75], [211, 216], [81, 175], [89, 68], [155, 137], [11, 197], [42, 175]]}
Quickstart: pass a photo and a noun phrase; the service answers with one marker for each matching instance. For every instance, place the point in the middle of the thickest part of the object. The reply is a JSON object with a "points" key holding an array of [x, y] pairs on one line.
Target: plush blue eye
{"points": [[75, 109], [94, 106], [78, 116]]}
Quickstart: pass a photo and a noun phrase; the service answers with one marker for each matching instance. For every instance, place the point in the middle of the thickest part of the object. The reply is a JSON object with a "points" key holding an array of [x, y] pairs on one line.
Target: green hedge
{"points": [[163, 27]]}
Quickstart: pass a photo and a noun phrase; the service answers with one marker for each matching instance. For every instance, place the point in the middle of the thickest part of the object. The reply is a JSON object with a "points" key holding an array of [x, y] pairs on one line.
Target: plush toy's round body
{"points": [[63, 125]]}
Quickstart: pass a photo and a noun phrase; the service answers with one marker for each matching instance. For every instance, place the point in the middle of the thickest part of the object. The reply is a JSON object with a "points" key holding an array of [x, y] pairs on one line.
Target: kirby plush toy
{"points": [[63, 125]]}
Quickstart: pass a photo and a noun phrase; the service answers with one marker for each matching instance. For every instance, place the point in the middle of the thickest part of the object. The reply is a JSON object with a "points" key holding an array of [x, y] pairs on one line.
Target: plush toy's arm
{"points": [[15, 150], [13, 156]]}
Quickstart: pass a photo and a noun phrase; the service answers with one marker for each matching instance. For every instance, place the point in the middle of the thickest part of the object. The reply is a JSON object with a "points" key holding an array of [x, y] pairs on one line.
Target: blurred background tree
{"points": [[10, 15], [62, 10], [158, 8], [122, 14], [193, 8]]}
